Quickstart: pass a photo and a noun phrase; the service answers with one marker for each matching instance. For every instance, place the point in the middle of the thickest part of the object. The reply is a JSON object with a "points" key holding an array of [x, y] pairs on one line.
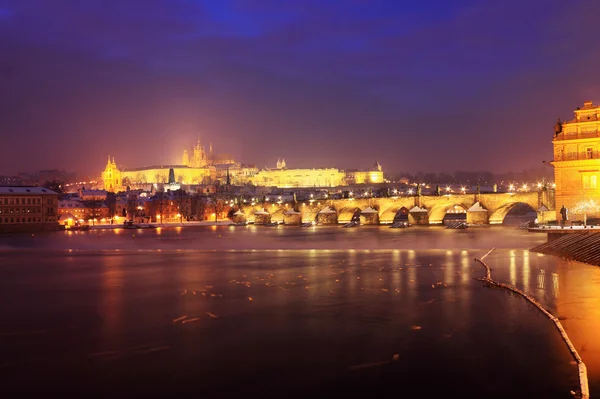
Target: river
{"points": [[291, 311]]}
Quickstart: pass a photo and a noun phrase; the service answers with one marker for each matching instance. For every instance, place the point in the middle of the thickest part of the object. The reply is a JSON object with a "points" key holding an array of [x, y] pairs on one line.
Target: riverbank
{"points": [[164, 225]]}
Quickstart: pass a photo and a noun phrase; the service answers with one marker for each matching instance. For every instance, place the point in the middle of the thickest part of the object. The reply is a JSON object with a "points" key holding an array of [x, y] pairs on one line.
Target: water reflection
{"points": [[327, 303], [111, 299]]}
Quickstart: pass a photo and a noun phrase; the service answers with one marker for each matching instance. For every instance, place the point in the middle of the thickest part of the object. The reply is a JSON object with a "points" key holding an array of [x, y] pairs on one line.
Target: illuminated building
{"points": [[374, 175], [28, 209], [286, 178], [112, 177], [577, 158], [197, 168]]}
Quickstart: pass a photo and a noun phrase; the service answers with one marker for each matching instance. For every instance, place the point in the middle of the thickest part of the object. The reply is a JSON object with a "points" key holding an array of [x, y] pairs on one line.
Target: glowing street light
{"points": [[511, 187], [447, 189], [463, 189]]}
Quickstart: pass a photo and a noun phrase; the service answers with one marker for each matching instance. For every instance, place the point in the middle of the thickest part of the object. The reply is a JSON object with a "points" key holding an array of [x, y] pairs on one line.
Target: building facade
{"points": [[373, 175], [283, 177], [577, 159], [288, 178], [26, 209]]}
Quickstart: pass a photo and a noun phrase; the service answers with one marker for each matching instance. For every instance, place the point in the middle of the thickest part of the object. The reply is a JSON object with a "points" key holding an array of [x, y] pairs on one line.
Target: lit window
{"points": [[590, 181]]}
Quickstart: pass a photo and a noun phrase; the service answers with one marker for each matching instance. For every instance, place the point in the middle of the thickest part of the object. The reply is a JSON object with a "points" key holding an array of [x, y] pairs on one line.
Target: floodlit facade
{"points": [[28, 209], [283, 177], [577, 159]]}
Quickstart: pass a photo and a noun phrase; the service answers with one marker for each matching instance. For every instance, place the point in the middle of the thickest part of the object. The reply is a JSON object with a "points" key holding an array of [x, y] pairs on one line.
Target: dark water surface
{"points": [[289, 312]]}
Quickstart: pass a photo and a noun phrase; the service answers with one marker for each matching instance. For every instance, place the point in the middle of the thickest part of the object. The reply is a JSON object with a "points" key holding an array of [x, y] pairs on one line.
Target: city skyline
{"points": [[419, 87]]}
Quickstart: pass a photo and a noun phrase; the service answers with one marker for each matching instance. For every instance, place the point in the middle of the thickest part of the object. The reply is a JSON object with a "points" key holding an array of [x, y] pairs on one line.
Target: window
{"points": [[28, 201], [590, 181], [589, 152]]}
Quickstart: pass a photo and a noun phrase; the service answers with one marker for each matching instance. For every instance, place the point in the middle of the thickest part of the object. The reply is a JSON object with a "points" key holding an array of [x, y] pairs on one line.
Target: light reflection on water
{"points": [[385, 289]]}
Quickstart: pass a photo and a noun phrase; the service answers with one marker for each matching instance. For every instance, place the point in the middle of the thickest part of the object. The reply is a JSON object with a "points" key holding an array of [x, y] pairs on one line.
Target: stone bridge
{"points": [[481, 208]]}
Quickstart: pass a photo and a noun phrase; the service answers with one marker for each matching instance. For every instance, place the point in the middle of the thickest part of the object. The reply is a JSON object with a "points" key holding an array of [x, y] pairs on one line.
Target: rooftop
{"points": [[25, 190]]}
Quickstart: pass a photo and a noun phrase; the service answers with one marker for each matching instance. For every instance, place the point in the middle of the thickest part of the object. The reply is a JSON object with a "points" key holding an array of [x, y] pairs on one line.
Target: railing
{"points": [[574, 156], [564, 135]]}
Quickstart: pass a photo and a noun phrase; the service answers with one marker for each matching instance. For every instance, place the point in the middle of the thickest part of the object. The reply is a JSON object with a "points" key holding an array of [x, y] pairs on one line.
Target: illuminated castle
{"points": [[201, 158], [202, 167]]}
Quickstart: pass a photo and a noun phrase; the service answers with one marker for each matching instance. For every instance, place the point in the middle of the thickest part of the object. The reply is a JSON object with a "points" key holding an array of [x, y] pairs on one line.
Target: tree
{"points": [[217, 204], [584, 207], [55, 185], [93, 209], [183, 204], [111, 202], [198, 206]]}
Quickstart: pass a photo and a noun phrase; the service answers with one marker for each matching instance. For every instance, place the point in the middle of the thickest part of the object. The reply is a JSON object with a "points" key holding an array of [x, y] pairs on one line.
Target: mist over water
{"points": [[288, 311], [219, 238]]}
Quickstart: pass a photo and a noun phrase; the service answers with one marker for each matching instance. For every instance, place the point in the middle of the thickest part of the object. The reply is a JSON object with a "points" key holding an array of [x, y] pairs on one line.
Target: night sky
{"points": [[417, 85]]}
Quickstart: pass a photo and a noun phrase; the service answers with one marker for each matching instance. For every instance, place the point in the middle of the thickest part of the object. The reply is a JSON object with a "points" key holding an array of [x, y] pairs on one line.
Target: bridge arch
{"points": [[497, 217], [348, 213], [394, 214], [438, 211]]}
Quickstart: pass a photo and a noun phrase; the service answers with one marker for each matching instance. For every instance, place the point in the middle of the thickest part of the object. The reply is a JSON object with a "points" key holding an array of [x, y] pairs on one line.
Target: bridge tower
{"points": [[577, 158]]}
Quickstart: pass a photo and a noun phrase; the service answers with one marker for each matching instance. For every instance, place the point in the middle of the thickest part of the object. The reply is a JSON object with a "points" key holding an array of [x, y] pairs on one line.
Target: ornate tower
{"points": [[186, 158], [111, 177], [577, 159]]}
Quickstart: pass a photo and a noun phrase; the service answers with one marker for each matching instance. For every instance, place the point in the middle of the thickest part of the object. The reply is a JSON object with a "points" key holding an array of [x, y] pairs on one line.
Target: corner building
{"points": [[27, 209], [577, 158]]}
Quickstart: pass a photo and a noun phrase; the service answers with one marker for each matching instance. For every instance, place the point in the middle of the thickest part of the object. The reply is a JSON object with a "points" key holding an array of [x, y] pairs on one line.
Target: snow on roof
{"points": [[327, 209], [543, 208], [238, 213], [476, 208], [8, 190], [368, 210], [292, 212], [261, 212], [417, 209]]}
